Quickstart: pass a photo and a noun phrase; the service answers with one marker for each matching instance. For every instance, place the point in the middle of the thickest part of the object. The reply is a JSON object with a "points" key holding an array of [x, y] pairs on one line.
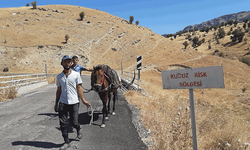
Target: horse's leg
{"points": [[104, 109], [109, 102], [114, 99]]}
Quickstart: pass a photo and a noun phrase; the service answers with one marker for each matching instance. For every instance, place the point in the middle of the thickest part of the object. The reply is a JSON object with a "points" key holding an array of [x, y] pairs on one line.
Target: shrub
{"points": [[235, 23], [245, 60], [137, 22], [245, 20], [131, 19], [229, 33], [185, 44], [5, 69], [66, 38], [221, 33], [244, 90], [221, 54], [245, 40], [34, 5], [237, 35], [230, 22], [27, 4], [81, 15]]}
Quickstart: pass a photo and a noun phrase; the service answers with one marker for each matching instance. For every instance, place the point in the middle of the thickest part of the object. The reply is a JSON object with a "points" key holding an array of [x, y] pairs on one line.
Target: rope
{"points": [[91, 114]]}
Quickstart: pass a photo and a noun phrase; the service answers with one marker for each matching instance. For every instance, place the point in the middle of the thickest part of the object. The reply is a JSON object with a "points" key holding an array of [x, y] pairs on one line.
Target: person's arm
{"points": [[80, 93], [58, 94], [89, 69]]}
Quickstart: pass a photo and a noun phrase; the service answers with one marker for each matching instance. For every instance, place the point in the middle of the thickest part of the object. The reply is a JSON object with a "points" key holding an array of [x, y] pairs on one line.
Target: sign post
{"points": [[194, 78], [139, 58]]}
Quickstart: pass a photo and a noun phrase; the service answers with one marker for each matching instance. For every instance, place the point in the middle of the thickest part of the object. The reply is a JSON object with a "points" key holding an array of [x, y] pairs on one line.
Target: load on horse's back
{"points": [[105, 81]]}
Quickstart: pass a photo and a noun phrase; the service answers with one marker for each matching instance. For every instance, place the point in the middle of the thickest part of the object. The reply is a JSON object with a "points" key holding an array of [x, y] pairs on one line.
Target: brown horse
{"points": [[105, 85]]}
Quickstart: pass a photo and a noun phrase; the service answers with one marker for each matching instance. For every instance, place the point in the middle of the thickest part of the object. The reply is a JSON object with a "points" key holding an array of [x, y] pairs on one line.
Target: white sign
{"points": [[194, 78]]}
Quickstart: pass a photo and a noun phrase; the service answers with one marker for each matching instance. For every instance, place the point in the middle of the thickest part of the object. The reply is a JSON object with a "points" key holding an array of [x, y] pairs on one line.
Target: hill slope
{"points": [[240, 16]]}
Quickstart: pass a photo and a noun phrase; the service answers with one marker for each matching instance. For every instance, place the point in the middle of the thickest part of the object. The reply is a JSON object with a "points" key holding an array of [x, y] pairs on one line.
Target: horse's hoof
{"points": [[113, 113], [106, 118], [103, 125]]}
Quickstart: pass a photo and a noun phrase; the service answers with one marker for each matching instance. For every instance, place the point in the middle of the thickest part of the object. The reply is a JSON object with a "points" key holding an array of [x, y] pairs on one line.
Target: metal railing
{"points": [[21, 80], [128, 76]]}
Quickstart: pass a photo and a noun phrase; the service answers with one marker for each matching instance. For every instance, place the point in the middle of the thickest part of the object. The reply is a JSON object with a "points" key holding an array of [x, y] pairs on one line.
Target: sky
{"points": [[161, 16]]}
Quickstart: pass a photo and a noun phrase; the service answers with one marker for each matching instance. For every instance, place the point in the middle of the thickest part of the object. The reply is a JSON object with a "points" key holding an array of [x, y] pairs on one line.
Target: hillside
{"points": [[240, 16], [31, 38]]}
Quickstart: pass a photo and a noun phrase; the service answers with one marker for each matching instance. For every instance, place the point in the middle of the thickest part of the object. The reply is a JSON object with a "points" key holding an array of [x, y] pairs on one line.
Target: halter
{"points": [[107, 88]]}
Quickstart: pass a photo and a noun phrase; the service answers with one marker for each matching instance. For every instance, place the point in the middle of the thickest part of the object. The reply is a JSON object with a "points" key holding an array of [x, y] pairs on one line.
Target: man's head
{"points": [[75, 60], [66, 62]]}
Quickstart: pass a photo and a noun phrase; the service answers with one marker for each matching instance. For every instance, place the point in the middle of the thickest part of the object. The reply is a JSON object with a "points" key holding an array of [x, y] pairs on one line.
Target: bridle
{"points": [[107, 88]]}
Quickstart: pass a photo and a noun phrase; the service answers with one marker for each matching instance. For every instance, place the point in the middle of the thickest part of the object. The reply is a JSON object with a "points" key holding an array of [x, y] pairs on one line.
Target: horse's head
{"points": [[97, 78]]}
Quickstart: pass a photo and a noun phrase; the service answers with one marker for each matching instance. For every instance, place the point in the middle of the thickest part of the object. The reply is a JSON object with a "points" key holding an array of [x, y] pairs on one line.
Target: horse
{"points": [[105, 81]]}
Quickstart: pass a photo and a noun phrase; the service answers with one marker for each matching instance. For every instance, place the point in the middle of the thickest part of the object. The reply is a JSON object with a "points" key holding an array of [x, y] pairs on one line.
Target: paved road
{"points": [[29, 123]]}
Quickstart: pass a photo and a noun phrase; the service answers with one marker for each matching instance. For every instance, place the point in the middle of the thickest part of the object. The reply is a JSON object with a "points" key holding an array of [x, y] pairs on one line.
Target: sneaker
{"points": [[65, 146], [79, 134]]}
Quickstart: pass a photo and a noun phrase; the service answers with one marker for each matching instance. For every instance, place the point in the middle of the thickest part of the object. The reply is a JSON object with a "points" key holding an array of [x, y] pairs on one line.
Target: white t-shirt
{"points": [[68, 85]]}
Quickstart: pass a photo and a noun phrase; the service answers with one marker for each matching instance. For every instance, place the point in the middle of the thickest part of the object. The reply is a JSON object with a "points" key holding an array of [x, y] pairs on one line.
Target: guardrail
{"points": [[21, 80], [128, 76]]}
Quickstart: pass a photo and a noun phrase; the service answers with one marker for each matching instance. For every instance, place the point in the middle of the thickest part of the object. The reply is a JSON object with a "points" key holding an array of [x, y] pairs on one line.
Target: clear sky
{"points": [[161, 16]]}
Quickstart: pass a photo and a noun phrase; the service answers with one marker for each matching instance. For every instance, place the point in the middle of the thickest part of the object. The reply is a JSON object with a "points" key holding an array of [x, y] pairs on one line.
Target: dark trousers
{"points": [[64, 110]]}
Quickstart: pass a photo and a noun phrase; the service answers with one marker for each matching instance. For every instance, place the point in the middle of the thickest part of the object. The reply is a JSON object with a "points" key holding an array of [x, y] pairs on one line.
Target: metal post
{"points": [[121, 69], [192, 110], [46, 69], [12, 81]]}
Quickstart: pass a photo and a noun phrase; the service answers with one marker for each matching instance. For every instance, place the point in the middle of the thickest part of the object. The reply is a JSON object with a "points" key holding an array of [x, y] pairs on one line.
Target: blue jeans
{"points": [[64, 110]]}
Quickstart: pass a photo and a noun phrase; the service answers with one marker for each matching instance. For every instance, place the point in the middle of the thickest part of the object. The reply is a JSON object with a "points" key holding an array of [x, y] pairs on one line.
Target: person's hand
{"points": [[86, 103], [56, 108]]}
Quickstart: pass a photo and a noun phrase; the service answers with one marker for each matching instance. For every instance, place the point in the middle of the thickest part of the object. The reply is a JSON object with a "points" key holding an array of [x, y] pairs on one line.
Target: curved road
{"points": [[30, 123]]}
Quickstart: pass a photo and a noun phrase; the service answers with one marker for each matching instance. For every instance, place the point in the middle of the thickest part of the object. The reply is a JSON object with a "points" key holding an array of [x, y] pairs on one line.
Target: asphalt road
{"points": [[30, 123]]}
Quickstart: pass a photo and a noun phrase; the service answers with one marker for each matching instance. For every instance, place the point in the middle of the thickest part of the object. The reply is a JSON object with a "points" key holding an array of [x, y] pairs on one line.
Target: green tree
{"points": [[235, 23], [137, 22], [195, 41], [221, 33], [245, 20], [196, 29], [230, 22], [131, 19], [237, 35], [245, 26], [82, 14], [185, 44], [34, 5], [207, 29], [215, 27]]}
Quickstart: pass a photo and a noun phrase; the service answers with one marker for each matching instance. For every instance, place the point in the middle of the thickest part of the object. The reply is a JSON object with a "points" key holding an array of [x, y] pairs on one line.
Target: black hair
{"points": [[74, 57]]}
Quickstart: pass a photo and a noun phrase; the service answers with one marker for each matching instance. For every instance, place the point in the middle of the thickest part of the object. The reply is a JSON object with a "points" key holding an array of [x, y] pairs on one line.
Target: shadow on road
{"points": [[84, 118], [38, 144]]}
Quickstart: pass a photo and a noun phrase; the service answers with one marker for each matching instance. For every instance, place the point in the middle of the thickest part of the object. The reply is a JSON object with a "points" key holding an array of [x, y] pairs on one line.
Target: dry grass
{"points": [[7, 94], [221, 115], [51, 80]]}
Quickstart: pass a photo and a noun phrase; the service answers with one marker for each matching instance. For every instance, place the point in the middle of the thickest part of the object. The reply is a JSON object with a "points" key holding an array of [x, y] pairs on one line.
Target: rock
{"points": [[62, 12], [48, 15], [40, 46], [216, 51], [3, 27], [88, 21], [20, 23], [114, 49], [13, 14], [26, 20], [94, 16]]}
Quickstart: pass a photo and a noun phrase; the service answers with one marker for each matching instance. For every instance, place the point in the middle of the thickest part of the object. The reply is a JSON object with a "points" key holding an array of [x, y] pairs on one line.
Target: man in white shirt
{"points": [[68, 93]]}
